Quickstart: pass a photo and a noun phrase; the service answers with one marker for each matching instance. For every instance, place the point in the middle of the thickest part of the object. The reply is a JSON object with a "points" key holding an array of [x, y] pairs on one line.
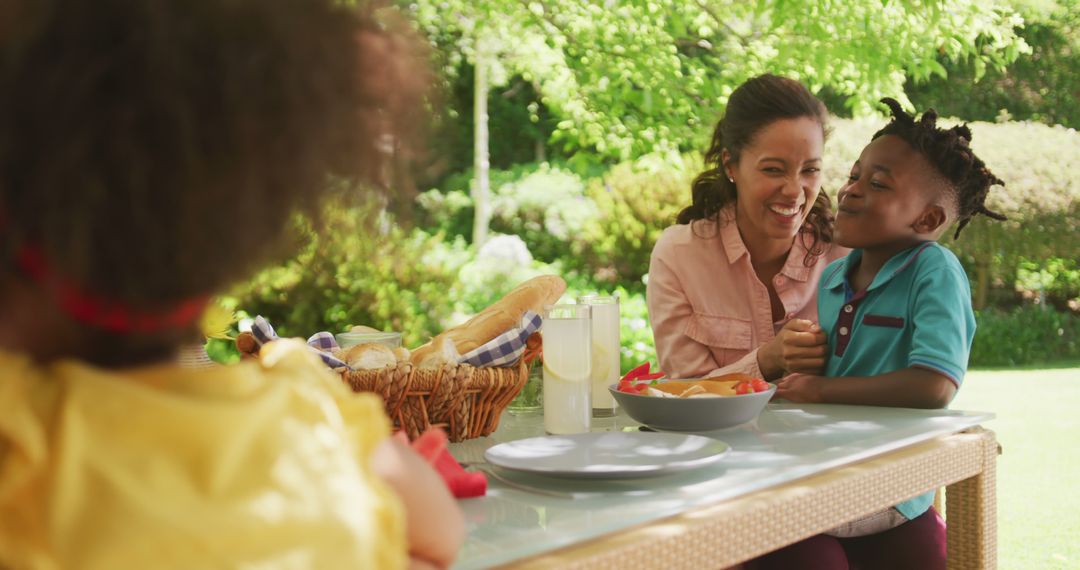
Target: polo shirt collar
{"points": [[896, 264]]}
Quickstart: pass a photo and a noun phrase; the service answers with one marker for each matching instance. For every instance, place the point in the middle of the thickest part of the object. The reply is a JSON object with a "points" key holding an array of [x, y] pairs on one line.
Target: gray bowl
{"points": [[692, 414]]}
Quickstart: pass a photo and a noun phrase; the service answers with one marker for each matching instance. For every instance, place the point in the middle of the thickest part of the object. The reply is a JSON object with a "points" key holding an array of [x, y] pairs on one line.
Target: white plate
{"points": [[608, 454]]}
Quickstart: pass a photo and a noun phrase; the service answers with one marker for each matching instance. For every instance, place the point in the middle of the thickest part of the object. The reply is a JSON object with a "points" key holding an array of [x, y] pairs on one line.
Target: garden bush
{"points": [[636, 201], [359, 269], [543, 204], [1024, 336]]}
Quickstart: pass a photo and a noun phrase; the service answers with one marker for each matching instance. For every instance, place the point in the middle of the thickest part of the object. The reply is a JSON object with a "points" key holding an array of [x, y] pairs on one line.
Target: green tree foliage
{"points": [[633, 77], [1043, 86]]}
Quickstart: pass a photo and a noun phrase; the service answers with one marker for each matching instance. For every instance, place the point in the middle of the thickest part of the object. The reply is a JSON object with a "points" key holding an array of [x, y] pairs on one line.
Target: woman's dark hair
{"points": [[949, 152], [754, 105], [155, 151]]}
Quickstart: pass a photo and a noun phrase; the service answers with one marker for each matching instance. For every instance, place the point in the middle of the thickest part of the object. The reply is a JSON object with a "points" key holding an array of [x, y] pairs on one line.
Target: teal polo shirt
{"points": [[916, 313]]}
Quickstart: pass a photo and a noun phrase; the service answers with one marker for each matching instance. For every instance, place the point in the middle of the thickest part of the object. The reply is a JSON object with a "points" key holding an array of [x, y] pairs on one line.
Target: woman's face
{"points": [[777, 179]]}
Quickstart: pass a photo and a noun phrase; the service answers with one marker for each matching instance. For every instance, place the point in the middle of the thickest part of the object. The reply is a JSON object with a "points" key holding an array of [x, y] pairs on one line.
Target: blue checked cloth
{"points": [[507, 348], [318, 343]]}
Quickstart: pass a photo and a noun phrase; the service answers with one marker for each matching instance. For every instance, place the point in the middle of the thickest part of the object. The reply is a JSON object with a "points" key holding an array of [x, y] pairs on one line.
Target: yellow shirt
{"points": [[261, 465]]}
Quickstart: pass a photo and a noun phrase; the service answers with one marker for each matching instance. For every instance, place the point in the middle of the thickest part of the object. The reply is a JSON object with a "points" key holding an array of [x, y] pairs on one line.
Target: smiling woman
{"points": [[731, 287]]}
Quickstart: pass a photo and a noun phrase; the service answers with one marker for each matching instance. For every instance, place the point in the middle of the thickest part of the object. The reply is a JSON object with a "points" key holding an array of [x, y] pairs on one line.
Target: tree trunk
{"points": [[982, 283], [481, 194], [403, 191]]}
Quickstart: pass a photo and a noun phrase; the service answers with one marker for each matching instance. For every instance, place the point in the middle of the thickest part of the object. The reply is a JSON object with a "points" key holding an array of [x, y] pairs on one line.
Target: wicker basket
{"points": [[463, 400]]}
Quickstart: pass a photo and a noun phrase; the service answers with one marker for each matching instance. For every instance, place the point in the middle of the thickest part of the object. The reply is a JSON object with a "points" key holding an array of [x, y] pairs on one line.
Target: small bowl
{"points": [[692, 414], [347, 339]]}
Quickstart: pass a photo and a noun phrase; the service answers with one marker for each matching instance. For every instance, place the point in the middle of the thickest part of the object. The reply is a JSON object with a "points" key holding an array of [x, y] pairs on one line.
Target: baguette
{"points": [[496, 319], [443, 352]]}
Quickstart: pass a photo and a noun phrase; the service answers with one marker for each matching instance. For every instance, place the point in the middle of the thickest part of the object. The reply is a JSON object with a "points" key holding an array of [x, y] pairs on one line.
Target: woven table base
{"points": [[730, 532]]}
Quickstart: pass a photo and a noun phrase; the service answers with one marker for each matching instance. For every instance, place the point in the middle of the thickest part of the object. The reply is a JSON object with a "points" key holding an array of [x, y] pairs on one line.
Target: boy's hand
{"points": [[799, 347], [800, 388]]}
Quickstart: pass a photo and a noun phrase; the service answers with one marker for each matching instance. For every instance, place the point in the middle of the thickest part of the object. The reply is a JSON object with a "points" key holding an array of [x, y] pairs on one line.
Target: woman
{"points": [[732, 286]]}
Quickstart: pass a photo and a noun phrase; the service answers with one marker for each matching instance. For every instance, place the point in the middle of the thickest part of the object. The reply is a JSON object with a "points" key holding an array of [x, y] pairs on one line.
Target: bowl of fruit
{"points": [[692, 405]]}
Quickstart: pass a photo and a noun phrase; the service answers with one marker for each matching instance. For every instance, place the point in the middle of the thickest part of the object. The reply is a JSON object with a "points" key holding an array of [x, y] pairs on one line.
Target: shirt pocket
{"points": [[886, 321], [728, 333]]}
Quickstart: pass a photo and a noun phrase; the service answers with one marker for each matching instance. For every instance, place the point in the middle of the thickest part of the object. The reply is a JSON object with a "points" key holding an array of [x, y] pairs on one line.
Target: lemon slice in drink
{"points": [[550, 373], [600, 362]]}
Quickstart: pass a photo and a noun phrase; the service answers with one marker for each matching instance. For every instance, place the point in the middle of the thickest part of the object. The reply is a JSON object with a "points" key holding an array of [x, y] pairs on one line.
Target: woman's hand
{"points": [[799, 347], [800, 388]]}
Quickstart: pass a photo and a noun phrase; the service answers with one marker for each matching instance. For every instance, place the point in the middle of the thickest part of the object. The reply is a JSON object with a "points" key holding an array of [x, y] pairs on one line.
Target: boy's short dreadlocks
{"points": [[948, 151]]}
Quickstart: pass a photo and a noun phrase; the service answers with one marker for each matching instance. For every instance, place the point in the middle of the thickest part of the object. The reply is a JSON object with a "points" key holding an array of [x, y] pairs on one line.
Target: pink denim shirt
{"points": [[709, 312]]}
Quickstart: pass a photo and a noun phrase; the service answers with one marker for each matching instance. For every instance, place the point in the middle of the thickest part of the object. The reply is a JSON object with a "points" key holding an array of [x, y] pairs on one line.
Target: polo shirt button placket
{"points": [[845, 324]]}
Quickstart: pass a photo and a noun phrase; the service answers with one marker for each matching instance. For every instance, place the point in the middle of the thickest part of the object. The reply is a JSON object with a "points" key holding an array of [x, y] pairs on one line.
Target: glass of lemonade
{"points": [[605, 351], [567, 334]]}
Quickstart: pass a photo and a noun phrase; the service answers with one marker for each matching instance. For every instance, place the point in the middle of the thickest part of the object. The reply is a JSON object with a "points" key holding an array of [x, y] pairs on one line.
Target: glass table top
{"points": [[786, 442]]}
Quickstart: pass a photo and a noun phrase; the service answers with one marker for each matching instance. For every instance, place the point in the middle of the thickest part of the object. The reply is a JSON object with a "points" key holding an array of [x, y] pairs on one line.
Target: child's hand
{"points": [[800, 388], [799, 347], [434, 524]]}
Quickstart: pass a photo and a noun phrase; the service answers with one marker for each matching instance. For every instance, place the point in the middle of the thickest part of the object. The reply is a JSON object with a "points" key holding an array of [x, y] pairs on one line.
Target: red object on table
{"points": [[431, 445]]}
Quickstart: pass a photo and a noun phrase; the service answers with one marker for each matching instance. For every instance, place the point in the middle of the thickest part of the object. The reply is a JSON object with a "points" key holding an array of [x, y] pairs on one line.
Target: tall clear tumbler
{"points": [[605, 351], [567, 334]]}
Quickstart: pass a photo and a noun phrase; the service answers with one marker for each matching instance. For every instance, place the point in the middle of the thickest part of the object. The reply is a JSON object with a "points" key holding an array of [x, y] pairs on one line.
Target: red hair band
{"points": [[113, 316]]}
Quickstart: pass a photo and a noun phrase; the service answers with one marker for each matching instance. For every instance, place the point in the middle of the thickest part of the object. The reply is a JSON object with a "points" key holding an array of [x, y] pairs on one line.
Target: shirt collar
{"points": [[898, 263], [735, 247]]}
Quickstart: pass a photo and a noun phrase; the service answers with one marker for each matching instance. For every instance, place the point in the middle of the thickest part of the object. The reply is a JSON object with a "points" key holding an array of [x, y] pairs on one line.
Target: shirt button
{"points": [[848, 308], [778, 279], [843, 331]]}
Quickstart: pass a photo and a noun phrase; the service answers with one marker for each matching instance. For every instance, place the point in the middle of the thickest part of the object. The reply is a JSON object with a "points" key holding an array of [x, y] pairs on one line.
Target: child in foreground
{"points": [[897, 312], [151, 153]]}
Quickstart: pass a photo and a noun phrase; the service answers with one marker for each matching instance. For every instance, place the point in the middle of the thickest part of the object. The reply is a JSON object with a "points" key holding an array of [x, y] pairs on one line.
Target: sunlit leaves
{"points": [[634, 77]]}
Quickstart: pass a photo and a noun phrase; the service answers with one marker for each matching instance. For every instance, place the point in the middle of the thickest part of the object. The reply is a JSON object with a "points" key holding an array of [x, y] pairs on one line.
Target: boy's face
{"points": [[885, 204]]}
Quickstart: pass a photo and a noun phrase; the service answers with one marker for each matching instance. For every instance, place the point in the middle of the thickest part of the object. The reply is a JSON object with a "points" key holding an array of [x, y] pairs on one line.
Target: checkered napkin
{"points": [[318, 343], [507, 348]]}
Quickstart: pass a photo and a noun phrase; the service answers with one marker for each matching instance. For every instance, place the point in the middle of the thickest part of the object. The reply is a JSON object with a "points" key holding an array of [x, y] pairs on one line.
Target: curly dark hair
{"points": [[949, 152], [754, 105], [154, 151]]}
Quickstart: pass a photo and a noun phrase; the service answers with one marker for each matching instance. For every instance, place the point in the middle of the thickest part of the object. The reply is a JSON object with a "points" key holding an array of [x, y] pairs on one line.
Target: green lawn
{"points": [[1038, 425]]}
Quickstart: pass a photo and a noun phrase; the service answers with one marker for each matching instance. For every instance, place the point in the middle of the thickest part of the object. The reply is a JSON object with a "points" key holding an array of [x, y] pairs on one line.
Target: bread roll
{"points": [[362, 329], [368, 356], [402, 354], [246, 344], [498, 318]]}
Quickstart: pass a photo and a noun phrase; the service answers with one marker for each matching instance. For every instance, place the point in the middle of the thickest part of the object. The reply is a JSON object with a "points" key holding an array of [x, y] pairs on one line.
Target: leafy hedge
{"points": [[1023, 336]]}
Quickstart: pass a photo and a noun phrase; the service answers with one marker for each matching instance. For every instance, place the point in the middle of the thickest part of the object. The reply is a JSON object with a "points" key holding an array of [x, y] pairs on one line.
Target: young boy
{"points": [[897, 309]]}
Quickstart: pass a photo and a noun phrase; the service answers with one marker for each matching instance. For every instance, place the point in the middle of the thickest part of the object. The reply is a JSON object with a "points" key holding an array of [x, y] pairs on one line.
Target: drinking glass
{"points": [[531, 397], [567, 334], [605, 351]]}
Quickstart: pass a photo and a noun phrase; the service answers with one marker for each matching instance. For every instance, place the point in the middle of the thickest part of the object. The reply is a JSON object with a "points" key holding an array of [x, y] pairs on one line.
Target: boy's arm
{"points": [[905, 388]]}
